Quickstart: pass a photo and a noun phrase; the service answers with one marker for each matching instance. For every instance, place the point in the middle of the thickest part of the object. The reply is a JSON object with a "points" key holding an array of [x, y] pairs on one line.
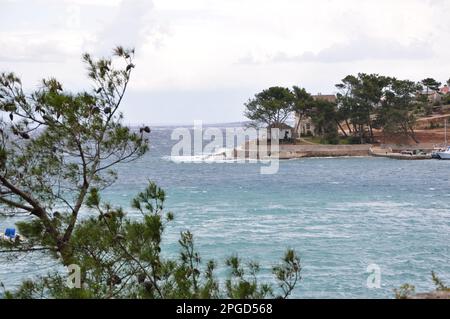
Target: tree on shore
{"points": [[431, 85], [364, 102], [272, 106], [396, 115], [358, 99], [350, 104], [324, 117], [303, 102]]}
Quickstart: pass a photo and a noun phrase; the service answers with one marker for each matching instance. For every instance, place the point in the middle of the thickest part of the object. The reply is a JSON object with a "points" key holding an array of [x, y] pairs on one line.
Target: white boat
{"points": [[445, 155]]}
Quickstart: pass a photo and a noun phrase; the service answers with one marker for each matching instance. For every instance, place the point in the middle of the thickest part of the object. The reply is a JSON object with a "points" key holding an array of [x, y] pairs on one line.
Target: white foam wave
{"points": [[222, 155]]}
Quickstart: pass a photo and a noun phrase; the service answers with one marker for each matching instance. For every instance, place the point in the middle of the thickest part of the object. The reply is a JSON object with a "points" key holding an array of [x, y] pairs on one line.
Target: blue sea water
{"points": [[339, 214]]}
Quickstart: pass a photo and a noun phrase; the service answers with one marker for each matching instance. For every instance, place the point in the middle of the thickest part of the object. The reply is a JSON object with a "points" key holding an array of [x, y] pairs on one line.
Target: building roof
{"points": [[325, 97], [431, 92], [281, 126]]}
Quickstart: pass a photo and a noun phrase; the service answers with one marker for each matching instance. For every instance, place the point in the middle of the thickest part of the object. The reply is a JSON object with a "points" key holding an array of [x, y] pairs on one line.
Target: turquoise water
{"points": [[339, 214]]}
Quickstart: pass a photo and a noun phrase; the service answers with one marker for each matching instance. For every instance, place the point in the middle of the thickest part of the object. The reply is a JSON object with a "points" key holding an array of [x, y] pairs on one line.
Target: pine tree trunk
{"points": [[349, 127], [341, 128], [66, 253], [361, 134], [297, 127]]}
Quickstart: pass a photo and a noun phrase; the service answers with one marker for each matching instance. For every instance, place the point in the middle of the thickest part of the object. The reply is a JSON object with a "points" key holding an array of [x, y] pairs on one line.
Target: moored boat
{"points": [[444, 155]]}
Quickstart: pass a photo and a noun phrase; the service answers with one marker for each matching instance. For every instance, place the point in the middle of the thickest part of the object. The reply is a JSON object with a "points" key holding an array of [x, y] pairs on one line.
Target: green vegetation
{"points": [[446, 99], [58, 146], [396, 115], [324, 118], [302, 104], [367, 102], [430, 85], [270, 107], [122, 258], [58, 151], [440, 286], [406, 291], [363, 103]]}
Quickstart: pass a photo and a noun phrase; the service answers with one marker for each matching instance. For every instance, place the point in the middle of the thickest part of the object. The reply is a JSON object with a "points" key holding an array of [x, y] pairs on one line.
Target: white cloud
{"points": [[133, 25], [228, 46], [362, 48], [33, 47]]}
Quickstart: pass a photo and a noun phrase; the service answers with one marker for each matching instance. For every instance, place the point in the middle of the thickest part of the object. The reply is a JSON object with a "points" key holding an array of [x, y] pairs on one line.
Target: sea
{"points": [[362, 226]]}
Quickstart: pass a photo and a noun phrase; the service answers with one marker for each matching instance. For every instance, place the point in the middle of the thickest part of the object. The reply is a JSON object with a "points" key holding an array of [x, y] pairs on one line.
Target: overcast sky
{"points": [[202, 59]]}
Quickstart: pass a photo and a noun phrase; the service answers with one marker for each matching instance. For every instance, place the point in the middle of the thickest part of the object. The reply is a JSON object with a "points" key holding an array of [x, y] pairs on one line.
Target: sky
{"points": [[203, 59]]}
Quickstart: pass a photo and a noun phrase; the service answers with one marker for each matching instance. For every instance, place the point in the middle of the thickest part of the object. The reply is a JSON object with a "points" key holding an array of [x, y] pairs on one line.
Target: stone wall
{"points": [[299, 151], [290, 151]]}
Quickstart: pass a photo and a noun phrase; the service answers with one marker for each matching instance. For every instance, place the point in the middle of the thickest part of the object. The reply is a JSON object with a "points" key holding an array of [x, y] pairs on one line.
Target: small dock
{"points": [[380, 152]]}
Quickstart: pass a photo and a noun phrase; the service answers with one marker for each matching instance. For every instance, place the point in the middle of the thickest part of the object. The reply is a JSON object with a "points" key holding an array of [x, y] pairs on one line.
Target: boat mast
{"points": [[445, 125]]}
